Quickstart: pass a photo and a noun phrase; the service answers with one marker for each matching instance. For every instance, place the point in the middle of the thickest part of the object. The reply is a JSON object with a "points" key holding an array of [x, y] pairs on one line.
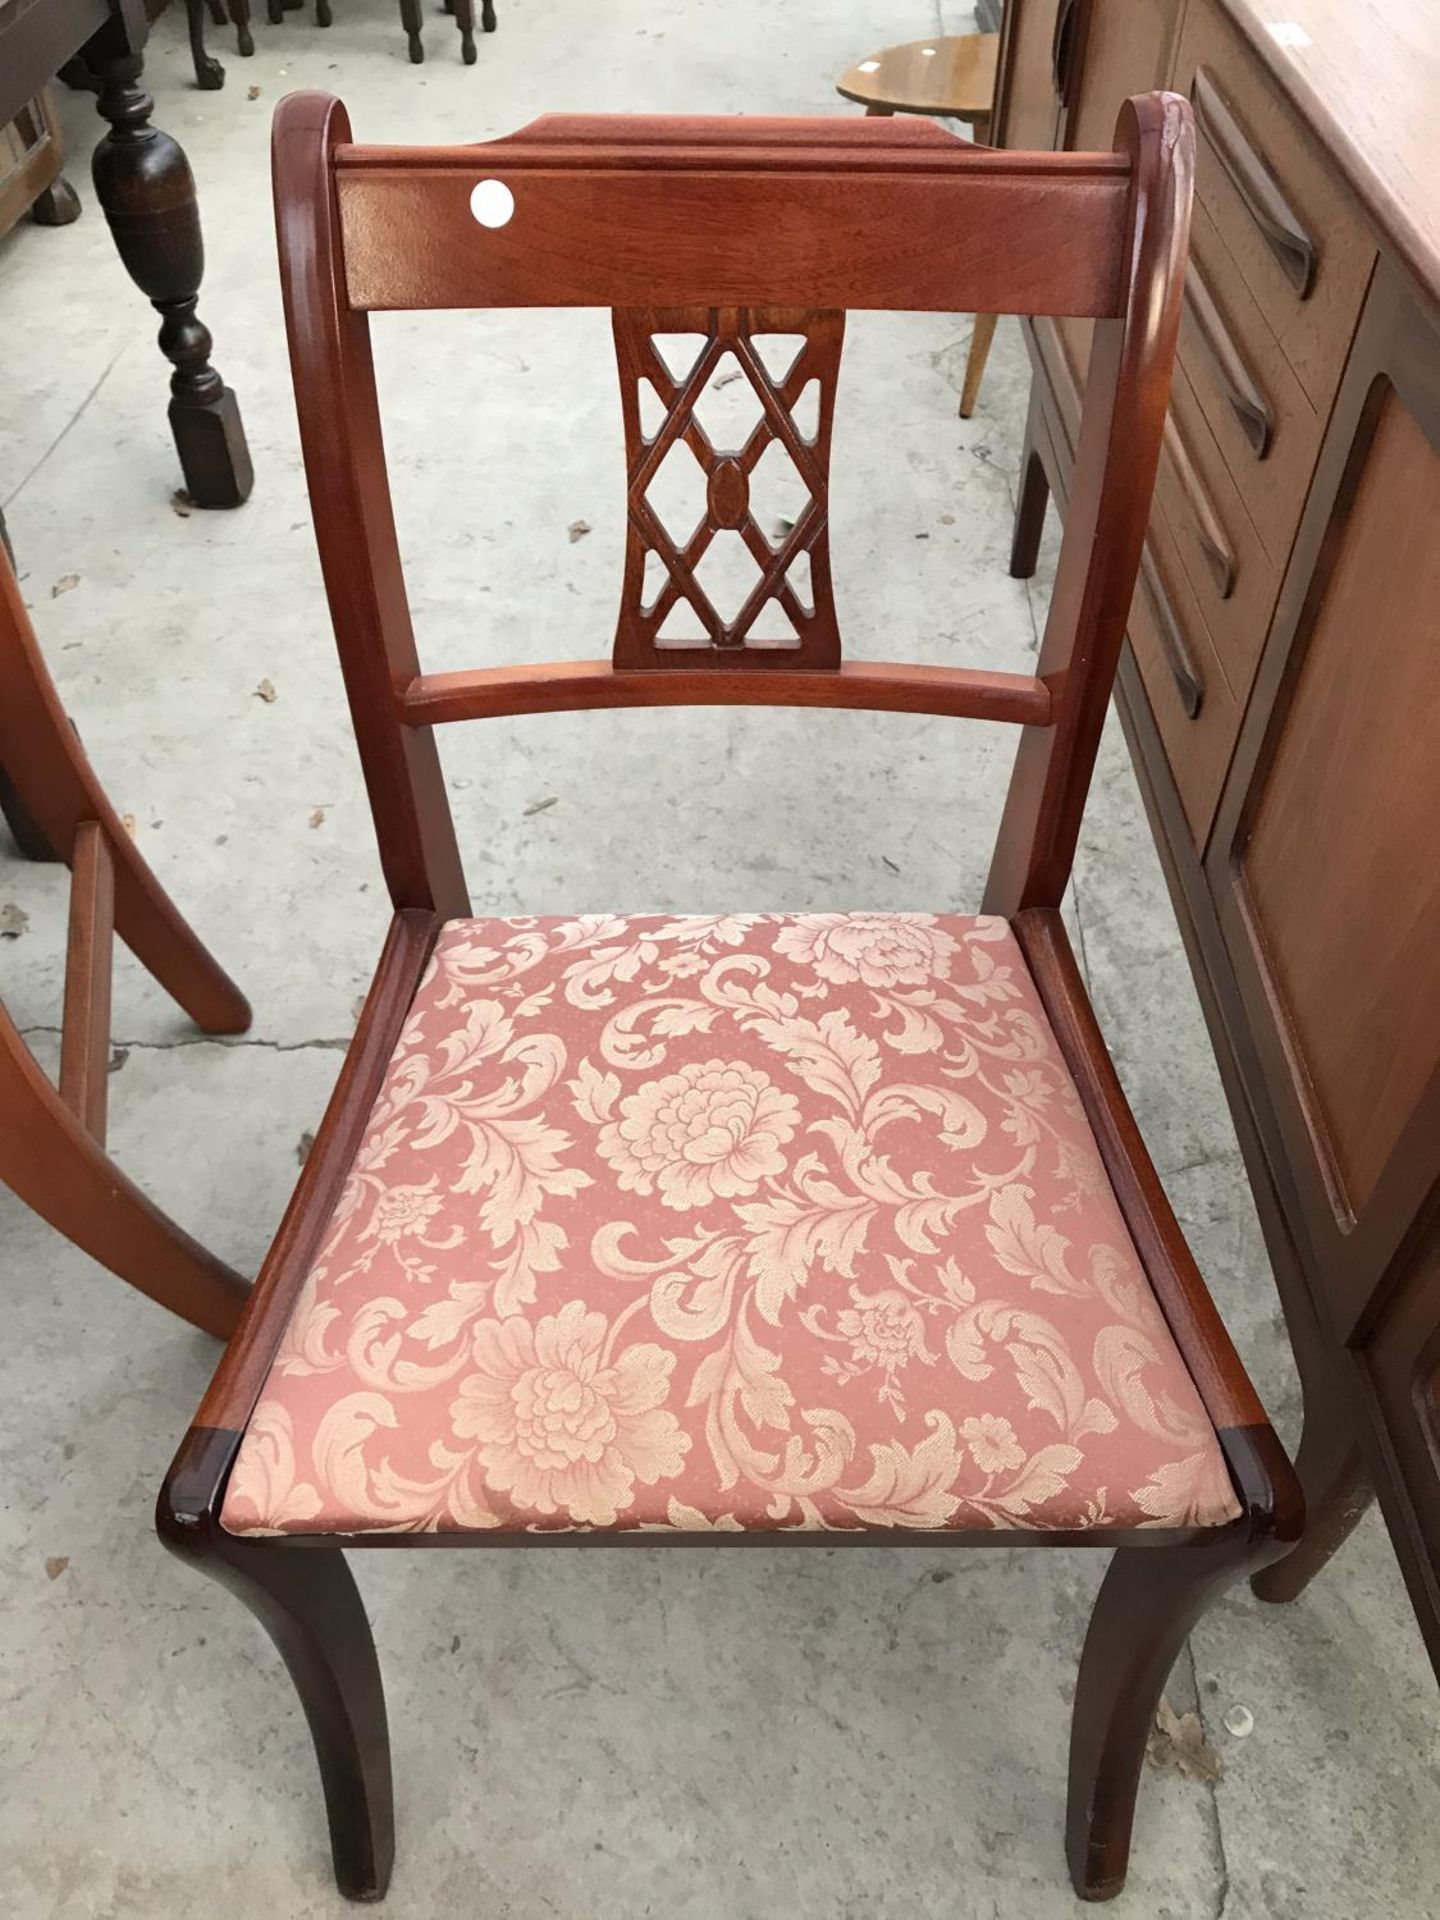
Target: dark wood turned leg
{"points": [[275, 12], [1149, 1601], [209, 74], [240, 20], [144, 184], [1030, 507], [487, 16], [410, 20], [307, 1601], [217, 12], [465, 20], [1338, 1494], [322, 13], [57, 206]]}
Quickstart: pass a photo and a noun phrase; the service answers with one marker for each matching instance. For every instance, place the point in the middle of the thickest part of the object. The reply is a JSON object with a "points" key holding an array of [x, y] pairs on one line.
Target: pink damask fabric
{"points": [[765, 1221]]}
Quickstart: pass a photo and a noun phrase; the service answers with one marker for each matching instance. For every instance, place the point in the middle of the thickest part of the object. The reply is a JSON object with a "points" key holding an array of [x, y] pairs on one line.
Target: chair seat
{"points": [[764, 1221]]}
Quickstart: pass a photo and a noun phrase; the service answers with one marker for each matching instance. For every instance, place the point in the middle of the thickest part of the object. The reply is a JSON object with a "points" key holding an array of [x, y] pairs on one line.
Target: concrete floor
{"points": [[613, 1735]]}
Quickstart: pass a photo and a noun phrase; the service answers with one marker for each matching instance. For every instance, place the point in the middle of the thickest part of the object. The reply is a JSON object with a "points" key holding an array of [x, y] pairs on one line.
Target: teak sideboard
{"points": [[1280, 689]]}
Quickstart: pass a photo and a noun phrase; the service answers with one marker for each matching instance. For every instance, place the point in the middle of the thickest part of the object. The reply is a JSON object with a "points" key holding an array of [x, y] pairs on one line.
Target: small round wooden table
{"points": [[952, 77]]}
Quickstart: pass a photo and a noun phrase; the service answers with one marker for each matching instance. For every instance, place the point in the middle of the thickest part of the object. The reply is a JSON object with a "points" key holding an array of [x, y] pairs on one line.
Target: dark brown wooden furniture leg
{"points": [[240, 20], [1034, 498], [487, 16], [308, 1603], [410, 20], [1338, 1495], [464, 11], [57, 206], [209, 74], [1330, 1464], [145, 187]]}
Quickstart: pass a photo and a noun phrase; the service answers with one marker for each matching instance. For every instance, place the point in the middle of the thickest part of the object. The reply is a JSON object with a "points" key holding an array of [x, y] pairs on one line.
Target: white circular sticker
{"points": [[492, 203]]}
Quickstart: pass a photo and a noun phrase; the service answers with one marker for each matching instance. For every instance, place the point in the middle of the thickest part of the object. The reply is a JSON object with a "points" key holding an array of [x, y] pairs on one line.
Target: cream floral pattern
{"points": [[715, 1128], [729, 1222], [561, 1426]]}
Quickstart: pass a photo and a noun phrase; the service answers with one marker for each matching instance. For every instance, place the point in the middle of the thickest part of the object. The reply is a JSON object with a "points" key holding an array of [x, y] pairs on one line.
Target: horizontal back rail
{"points": [[572, 686], [615, 213]]}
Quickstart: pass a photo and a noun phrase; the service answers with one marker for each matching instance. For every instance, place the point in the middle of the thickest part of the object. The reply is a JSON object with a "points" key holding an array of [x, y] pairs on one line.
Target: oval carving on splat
{"points": [[728, 495]]}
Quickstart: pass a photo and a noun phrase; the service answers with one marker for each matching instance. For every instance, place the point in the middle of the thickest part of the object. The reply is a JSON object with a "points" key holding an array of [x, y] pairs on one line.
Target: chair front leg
{"points": [[1149, 1601], [307, 1601]]}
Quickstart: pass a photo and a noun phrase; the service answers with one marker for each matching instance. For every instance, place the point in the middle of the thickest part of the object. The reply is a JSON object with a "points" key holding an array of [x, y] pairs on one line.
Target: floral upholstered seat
{"points": [[764, 1221]]}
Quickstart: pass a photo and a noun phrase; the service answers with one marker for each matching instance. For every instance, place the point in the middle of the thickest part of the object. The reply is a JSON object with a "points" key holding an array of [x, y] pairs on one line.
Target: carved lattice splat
{"points": [[780, 610]]}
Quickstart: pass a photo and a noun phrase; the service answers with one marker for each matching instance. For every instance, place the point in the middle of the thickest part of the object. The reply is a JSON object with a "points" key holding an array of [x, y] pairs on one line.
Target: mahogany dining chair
{"points": [[810, 1229]]}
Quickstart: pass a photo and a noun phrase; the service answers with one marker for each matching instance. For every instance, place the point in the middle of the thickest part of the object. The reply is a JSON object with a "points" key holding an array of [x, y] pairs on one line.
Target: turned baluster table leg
{"points": [[147, 192]]}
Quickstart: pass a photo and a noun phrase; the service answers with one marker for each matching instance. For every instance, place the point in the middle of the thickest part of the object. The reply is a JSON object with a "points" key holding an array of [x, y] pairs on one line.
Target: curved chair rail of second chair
{"points": [[617, 1231]]}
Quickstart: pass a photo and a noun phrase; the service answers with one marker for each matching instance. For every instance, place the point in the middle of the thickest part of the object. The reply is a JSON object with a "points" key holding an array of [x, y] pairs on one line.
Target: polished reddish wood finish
{"points": [[85, 1025], [806, 619], [756, 216], [52, 1141], [876, 686], [876, 214]]}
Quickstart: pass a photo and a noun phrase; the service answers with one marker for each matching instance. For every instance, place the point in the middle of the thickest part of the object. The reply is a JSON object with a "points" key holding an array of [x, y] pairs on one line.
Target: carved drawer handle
{"points": [[1247, 402], [1173, 644], [1279, 224], [1205, 523]]}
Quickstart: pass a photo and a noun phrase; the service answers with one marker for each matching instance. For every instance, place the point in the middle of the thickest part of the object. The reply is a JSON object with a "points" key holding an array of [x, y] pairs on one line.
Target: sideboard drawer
{"points": [[1297, 237], [1197, 715], [1232, 577], [1260, 415]]}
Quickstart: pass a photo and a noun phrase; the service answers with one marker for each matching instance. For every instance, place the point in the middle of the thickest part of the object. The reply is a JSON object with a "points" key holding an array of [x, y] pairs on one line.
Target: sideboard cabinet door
{"points": [[1324, 862], [1324, 867]]}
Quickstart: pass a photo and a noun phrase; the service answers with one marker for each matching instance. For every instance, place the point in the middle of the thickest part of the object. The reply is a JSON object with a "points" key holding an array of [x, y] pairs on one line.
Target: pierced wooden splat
{"points": [[785, 614]]}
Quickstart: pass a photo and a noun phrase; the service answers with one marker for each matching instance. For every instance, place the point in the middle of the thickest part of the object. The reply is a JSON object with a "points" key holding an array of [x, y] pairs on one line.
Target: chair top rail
{"points": [[912, 143], [613, 211]]}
